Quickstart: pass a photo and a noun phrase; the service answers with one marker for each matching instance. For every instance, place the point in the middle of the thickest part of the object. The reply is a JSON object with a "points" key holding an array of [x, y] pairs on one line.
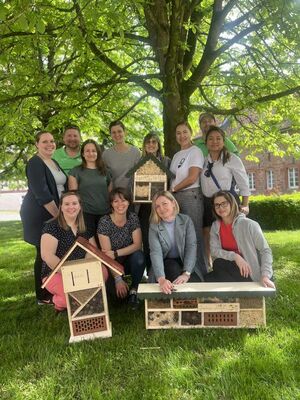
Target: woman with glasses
{"points": [[187, 165], [222, 171], [151, 145], [238, 246]]}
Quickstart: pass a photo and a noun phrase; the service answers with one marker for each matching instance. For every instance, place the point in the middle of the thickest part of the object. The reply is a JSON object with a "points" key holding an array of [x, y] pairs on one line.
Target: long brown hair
{"points": [[225, 154], [79, 219], [99, 162], [152, 135], [234, 208]]}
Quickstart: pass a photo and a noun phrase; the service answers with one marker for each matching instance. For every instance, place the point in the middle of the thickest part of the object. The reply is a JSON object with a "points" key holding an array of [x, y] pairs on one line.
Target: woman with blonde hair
{"points": [[172, 241], [238, 246], [58, 236]]}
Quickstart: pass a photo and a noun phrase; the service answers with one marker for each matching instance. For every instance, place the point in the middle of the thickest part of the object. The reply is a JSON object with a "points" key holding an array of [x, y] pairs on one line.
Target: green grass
{"points": [[36, 361]]}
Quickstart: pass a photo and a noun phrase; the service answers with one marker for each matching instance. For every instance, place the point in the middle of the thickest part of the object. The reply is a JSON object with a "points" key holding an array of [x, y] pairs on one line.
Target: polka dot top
{"points": [[66, 239], [120, 237]]}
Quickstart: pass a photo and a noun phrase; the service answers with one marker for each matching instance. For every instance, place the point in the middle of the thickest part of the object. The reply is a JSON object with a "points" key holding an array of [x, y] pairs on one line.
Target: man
{"points": [[206, 120], [68, 156]]}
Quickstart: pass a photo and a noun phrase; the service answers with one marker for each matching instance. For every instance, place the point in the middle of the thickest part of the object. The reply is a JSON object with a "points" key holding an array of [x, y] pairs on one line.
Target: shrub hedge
{"points": [[276, 212]]}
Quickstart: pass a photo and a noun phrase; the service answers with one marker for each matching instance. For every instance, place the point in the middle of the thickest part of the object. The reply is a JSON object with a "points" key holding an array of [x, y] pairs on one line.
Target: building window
{"points": [[293, 177], [270, 179], [251, 177]]}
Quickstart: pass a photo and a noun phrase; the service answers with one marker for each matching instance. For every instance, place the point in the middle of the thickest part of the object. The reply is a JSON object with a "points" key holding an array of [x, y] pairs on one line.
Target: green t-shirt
{"points": [[66, 162], [92, 187], [199, 142]]}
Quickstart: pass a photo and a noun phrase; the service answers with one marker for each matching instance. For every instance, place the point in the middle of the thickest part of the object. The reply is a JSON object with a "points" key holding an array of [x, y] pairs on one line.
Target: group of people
{"points": [[78, 190]]}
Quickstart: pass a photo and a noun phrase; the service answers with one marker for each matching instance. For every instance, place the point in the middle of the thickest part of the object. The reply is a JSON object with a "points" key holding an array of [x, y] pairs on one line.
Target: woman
{"points": [[93, 184], [237, 244], [222, 171], [172, 241], [151, 145], [187, 165], [120, 238], [58, 236], [121, 157], [45, 183]]}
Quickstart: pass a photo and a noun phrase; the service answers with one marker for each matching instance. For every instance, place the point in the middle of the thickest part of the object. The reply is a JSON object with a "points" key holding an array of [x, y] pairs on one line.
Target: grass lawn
{"points": [[36, 361]]}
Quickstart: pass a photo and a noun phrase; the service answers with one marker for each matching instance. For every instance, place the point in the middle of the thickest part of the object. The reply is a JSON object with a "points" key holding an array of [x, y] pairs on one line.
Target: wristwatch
{"points": [[186, 273]]}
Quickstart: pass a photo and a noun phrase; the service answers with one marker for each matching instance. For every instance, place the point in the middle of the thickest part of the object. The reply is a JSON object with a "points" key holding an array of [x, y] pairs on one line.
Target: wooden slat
{"points": [[222, 290]]}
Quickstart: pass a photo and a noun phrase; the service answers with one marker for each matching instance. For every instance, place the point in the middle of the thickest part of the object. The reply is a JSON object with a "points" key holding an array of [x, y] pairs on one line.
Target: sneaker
{"points": [[45, 302], [133, 300]]}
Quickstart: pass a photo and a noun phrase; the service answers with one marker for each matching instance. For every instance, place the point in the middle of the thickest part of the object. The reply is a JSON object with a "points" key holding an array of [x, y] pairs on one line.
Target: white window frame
{"points": [[270, 179], [293, 178], [251, 179]]}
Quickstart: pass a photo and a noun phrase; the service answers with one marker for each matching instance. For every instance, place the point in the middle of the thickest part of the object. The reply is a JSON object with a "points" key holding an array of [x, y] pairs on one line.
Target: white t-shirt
{"points": [[182, 161]]}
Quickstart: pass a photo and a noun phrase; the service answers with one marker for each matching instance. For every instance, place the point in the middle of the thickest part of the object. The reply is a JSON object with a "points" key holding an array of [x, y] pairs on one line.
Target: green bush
{"points": [[276, 212]]}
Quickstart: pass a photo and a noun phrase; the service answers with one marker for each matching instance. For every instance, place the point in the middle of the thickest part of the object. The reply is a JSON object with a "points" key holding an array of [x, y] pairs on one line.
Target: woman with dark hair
{"points": [[120, 238], [238, 246], [151, 145], [58, 236], [222, 171], [120, 158], [187, 165], [45, 183], [92, 181], [173, 244]]}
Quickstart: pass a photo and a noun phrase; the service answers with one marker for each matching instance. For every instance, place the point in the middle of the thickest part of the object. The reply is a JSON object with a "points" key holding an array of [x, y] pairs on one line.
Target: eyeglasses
{"points": [[224, 204], [207, 173], [152, 141]]}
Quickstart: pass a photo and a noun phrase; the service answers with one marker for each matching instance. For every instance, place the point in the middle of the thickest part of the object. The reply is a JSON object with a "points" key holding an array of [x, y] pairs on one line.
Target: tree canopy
{"points": [[151, 63]]}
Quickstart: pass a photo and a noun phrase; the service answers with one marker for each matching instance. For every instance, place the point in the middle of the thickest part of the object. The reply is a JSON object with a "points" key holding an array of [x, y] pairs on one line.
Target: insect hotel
{"points": [[149, 177], [206, 305], [85, 292]]}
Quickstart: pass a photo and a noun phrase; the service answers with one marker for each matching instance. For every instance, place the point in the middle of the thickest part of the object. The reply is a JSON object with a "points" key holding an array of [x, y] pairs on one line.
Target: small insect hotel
{"points": [[206, 305], [149, 177], [85, 291]]}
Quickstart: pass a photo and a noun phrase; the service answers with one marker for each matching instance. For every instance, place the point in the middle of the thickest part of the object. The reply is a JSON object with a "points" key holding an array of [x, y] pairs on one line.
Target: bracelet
{"points": [[118, 279], [115, 253]]}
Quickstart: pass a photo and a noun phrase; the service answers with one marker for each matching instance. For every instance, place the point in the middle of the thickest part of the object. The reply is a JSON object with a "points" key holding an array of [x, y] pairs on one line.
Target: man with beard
{"points": [[68, 156]]}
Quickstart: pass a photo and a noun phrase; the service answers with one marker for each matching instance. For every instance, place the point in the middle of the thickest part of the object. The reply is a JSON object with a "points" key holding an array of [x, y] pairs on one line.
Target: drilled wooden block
{"points": [[220, 319], [192, 318], [251, 302], [162, 303], [185, 303], [163, 319], [89, 325], [252, 318]]}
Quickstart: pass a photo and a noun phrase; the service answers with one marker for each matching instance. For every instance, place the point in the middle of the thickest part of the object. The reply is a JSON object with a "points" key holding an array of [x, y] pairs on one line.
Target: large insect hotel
{"points": [[150, 176], [85, 292], [206, 305]]}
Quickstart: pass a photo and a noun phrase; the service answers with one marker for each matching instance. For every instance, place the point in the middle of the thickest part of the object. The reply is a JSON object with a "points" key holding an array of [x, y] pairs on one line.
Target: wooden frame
{"points": [[206, 305], [85, 291]]}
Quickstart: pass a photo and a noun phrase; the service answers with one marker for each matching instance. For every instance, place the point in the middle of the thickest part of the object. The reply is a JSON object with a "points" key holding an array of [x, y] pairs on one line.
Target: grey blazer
{"points": [[160, 244]]}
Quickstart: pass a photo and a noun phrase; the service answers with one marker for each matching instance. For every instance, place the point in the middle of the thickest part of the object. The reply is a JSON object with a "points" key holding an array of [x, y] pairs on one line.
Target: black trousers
{"points": [[174, 267], [41, 294], [225, 271]]}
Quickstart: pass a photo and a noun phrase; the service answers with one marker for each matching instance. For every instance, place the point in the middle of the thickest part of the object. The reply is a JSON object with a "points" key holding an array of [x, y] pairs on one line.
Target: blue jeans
{"points": [[134, 265]]}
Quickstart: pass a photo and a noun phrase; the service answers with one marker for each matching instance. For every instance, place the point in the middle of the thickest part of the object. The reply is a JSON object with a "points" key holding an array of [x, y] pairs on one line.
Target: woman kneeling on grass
{"points": [[120, 238], [173, 243], [238, 246], [58, 236]]}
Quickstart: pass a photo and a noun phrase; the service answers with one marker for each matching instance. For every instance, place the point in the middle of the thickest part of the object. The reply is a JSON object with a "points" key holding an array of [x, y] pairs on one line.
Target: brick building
{"points": [[273, 174]]}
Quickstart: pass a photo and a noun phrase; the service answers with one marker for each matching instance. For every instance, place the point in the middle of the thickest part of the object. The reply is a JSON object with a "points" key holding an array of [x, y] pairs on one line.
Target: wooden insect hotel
{"points": [[85, 292], [206, 305], [149, 177]]}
